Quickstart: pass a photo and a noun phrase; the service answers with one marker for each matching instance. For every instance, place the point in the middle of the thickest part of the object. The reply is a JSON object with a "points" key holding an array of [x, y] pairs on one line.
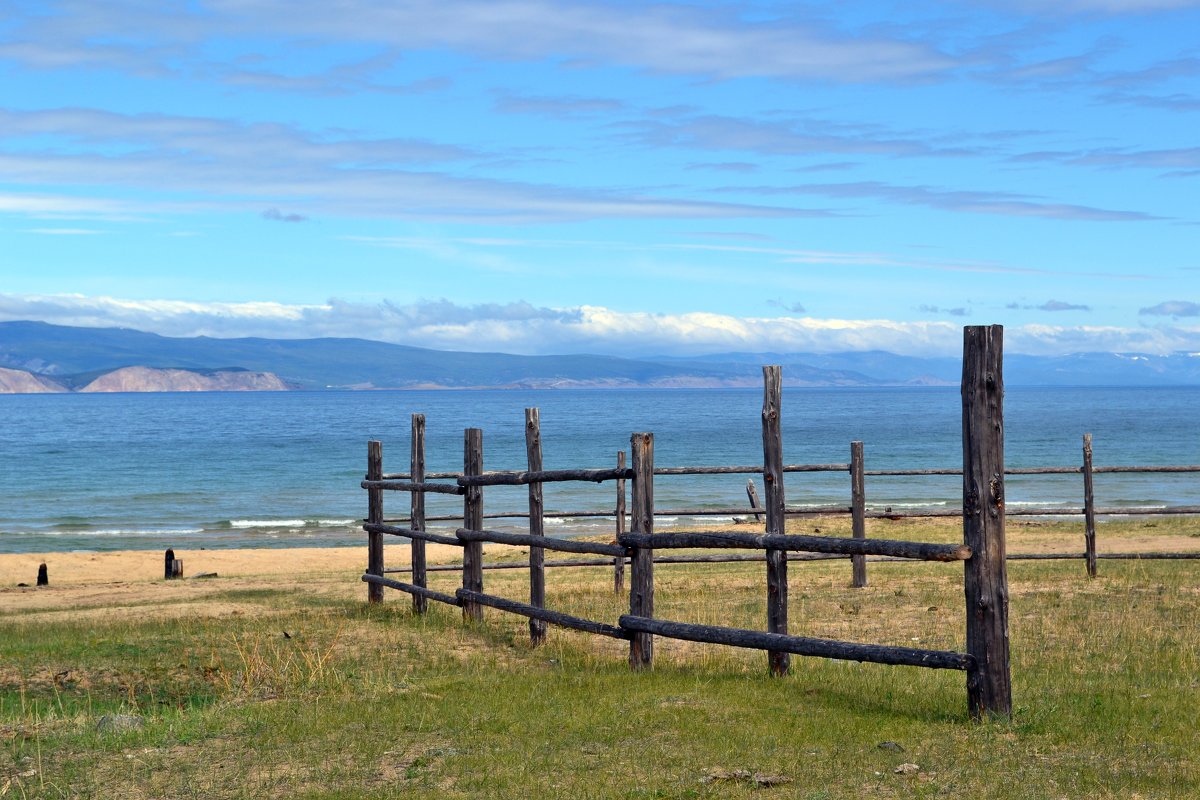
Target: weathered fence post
{"points": [[1089, 508], [777, 588], [641, 517], [473, 520], [989, 682], [858, 511], [752, 494], [172, 566], [417, 511], [537, 571], [43, 576], [619, 561], [375, 516]]}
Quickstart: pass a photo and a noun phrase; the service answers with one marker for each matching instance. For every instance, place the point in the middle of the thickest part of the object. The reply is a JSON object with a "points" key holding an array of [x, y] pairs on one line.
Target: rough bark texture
{"points": [[641, 582], [777, 572], [374, 516], [989, 690]]}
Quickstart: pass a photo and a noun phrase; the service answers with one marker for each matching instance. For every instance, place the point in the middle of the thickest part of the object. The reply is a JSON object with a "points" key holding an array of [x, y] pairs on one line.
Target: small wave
{"points": [[241, 524], [110, 532]]}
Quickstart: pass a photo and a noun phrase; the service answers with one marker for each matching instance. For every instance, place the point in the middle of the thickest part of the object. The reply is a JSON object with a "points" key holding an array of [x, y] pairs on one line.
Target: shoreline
{"points": [[126, 566]]}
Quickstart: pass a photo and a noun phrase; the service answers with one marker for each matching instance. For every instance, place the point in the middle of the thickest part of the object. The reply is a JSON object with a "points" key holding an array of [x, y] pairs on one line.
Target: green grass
{"points": [[361, 701]]}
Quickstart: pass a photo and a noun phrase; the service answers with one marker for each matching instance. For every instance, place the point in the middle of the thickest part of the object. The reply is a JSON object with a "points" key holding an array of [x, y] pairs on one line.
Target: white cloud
{"points": [[520, 327]]}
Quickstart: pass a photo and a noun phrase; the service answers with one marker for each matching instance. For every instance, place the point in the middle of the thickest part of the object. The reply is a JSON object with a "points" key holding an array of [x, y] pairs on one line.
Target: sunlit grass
{"points": [[311, 693]]}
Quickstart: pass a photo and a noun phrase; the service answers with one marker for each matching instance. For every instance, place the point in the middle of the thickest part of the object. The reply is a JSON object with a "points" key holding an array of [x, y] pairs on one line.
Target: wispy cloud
{"points": [[1173, 308], [275, 215], [521, 327], [971, 202], [228, 164], [64, 231], [558, 107], [662, 37]]}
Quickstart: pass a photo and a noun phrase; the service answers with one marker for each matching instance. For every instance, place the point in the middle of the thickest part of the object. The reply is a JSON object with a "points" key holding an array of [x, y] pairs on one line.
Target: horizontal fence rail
{"points": [[638, 548]]}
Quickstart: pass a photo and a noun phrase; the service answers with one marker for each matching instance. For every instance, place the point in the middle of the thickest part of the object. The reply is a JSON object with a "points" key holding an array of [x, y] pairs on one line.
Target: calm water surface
{"points": [[124, 471]]}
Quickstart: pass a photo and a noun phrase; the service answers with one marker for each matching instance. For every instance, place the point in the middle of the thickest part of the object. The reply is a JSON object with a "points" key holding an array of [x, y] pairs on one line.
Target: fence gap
{"points": [[777, 572], [473, 521], [619, 561], [417, 511], [375, 516], [858, 511], [989, 686], [1089, 508], [641, 517], [537, 558]]}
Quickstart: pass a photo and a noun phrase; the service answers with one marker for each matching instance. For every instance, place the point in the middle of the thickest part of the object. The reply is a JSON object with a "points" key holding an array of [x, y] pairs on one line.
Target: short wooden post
{"points": [[777, 588], [537, 571], [168, 564], [989, 681], [641, 517], [752, 493], [1089, 508], [417, 511], [858, 511], [43, 578], [473, 520], [375, 516], [619, 561]]}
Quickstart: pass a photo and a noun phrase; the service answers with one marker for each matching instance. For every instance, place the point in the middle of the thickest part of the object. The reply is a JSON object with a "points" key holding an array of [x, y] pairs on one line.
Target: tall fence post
{"points": [[989, 682], [641, 517], [777, 572], [375, 516], [417, 511], [858, 511], [619, 561], [537, 558], [1089, 507], [472, 579]]}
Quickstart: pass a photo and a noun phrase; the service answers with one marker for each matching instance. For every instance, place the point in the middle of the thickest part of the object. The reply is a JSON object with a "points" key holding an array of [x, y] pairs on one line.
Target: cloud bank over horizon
{"points": [[523, 328]]}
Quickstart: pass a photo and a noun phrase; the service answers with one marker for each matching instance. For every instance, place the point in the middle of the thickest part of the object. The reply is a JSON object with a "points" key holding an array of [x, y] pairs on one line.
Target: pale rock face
{"points": [[146, 379], [15, 381]]}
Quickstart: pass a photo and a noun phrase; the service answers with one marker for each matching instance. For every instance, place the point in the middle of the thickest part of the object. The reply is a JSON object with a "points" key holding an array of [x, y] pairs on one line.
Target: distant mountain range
{"points": [[74, 358]]}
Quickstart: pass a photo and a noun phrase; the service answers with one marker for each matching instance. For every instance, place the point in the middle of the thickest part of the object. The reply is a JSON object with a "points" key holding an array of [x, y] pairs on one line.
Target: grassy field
{"points": [[294, 687]]}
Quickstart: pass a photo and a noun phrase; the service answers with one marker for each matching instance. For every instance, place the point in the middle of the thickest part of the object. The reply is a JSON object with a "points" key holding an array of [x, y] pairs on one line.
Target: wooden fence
{"points": [[986, 660]]}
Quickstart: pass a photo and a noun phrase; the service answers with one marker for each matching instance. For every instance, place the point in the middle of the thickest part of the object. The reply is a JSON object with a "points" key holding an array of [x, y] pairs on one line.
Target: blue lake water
{"points": [[129, 471]]}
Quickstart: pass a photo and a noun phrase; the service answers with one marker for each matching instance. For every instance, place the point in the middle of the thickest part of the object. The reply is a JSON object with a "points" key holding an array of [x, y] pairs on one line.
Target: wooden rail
{"points": [[986, 662]]}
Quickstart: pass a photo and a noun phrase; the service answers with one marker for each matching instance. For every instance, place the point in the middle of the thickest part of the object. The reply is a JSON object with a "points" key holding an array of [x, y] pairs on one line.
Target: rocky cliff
{"points": [[145, 379], [15, 381]]}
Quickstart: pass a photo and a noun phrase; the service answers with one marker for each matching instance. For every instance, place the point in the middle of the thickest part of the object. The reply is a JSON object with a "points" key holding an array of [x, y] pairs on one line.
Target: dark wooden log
{"points": [[409, 486], [619, 562], [1189, 468], [417, 511], [415, 591], [541, 614], [858, 511], [473, 520], [925, 551], [755, 503], [777, 572], [168, 564], [800, 645], [537, 529], [641, 567], [374, 517], [43, 576], [1089, 508], [541, 476], [413, 533], [749, 470], [546, 542], [989, 683]]}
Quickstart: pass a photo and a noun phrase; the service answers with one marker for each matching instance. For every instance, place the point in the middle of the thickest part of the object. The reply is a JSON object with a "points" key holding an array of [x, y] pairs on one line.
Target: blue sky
{"points": [[628, 178]]}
